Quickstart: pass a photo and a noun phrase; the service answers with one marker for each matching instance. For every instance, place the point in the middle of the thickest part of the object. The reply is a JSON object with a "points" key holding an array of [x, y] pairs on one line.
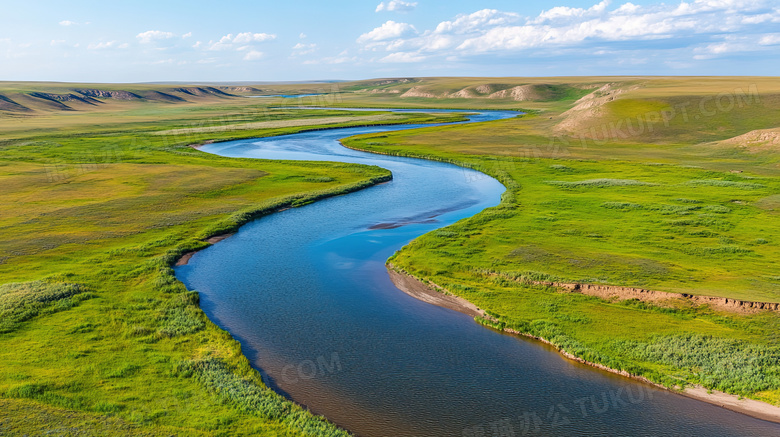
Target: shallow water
{"points": [[306, 293]]}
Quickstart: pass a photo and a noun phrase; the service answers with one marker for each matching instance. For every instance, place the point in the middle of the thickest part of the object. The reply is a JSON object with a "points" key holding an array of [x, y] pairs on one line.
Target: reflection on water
{"points": [[306, 293]]}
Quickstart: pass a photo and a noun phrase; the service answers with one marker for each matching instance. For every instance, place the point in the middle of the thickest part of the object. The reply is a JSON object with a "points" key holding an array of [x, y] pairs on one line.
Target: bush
{"points": [[732, 366]]}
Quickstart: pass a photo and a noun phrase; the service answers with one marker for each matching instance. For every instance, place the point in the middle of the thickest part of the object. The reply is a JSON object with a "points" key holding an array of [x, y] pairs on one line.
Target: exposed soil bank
{"points": [[611, 292], [417, 289], [435, 294], [211, 240]]}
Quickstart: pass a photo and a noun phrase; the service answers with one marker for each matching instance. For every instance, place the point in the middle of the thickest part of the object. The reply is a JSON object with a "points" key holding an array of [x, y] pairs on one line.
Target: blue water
{"points": [[307, 294]]}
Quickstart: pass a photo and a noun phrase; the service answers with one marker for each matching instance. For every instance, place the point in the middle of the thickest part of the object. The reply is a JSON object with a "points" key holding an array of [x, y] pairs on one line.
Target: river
{"points": [[306, 293]]}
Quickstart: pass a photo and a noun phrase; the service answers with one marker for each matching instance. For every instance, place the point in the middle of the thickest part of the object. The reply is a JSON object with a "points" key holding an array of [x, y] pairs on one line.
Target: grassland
{"points": [[673, 206], [646, 182], [98, 337]]}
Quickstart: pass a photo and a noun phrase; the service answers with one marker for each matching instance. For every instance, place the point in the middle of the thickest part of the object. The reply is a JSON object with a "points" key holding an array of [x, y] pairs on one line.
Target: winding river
{"points": [[307, 294]]}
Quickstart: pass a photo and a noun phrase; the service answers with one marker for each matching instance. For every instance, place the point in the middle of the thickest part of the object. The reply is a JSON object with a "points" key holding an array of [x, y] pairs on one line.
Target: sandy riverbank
{"points": [[437, 295], [212, 240]]}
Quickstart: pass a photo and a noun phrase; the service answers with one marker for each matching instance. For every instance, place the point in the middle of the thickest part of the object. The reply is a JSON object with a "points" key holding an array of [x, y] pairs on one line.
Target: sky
{"points": [[289, 40]]}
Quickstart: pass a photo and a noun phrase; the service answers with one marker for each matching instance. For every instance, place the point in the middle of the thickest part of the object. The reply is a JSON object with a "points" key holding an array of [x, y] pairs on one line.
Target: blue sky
{"points": [[144, 40]]}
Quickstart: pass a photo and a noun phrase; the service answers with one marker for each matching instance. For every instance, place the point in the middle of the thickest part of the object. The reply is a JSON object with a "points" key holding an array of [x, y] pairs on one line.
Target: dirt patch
{"points": [[484, 89], [518, 93], [751, 407], [757, 141], [432, 294], [212, 240], [465, 93], [417, 91], [591, 106]]}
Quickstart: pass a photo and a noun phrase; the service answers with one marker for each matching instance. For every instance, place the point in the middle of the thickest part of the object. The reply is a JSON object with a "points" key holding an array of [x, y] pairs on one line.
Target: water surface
{"points": [[307, 294]]}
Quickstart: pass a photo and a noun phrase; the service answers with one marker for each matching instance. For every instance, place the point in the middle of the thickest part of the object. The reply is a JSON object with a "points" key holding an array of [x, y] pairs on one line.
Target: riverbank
{"points": [[434, 294], [112, 205]]}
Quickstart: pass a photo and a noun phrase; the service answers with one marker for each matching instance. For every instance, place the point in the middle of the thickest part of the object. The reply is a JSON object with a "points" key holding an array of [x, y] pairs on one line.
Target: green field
{"points": [[680, 208], [645, 182], [98, 337]]}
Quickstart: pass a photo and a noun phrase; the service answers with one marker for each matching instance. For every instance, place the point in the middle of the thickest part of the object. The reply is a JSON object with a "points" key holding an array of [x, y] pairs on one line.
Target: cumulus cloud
{"points": [[402, 57], [389, 30], [705, 27], [67, 23], [153, 35], [486, 18], [253, 55], [229, 41], [247, 37], [396, 6], [564, 12]]}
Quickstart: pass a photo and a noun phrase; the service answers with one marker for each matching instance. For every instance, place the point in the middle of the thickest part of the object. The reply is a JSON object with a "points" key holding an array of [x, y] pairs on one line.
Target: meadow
{"points": [[669, 184], [97, 335], [678, 207]]}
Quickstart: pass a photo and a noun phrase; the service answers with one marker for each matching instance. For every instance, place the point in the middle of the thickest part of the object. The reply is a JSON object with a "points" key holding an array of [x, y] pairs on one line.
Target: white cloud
{"points": [[302, 36], [242, 39], [153, 35], [565, 12], [701, 26], [402, 57], [253, 55], [57, 42], [247, 37], [102, 45], [396, 6], [186, 35], [67, 23], [465, 23], [769, 39], [224, 43], [303, 49], [388, 30]]}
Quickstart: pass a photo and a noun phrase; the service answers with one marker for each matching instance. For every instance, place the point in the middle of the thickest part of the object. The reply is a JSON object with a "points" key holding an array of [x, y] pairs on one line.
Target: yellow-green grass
{"points": [[675, 212], [133, 345], [102, 204]]}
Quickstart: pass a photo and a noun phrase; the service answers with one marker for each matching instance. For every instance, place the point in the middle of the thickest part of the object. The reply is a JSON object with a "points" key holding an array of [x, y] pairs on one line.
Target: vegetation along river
{"points": [[307, 294]]}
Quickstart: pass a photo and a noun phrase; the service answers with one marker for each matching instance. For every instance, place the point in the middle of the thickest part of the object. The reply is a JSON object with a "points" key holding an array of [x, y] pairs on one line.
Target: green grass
{"points": [[20, 302], [98, 337], [664, 211]]}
